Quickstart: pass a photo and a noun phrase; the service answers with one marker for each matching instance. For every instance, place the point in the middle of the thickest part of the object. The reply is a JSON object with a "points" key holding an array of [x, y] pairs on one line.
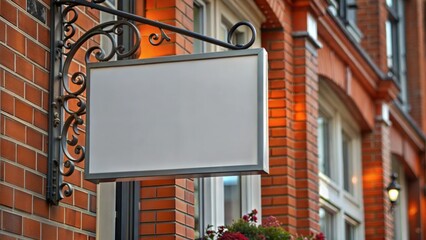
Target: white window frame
{"points": [[354, 224], [330, 208], [396, 21], [232, 11], [333, 196], [216, 13]]}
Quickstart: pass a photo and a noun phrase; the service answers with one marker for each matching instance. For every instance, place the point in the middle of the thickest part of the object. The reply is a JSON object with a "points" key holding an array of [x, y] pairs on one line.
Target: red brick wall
{"points": [[304, 124], [305, 135], [416, 60], [371, 18], [278, 188], [24, 78], [376, 171], [290, 191], [167, 206]]}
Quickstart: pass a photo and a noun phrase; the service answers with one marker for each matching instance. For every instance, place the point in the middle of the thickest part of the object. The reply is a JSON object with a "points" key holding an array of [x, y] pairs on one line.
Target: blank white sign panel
{"points": [[177, 116]]}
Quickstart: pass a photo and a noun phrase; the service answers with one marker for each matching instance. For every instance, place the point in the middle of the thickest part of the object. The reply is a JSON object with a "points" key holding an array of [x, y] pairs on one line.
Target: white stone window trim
{"points": [[330, 208], [332, 193], [218, 12]]}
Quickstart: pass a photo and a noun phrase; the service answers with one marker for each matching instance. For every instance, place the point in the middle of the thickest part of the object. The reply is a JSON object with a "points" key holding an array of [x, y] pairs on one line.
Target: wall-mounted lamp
{"points": [[393, 190]]}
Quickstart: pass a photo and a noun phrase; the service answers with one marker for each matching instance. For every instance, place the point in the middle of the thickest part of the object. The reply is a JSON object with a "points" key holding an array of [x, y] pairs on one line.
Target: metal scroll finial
{"points": [[67, 86]]}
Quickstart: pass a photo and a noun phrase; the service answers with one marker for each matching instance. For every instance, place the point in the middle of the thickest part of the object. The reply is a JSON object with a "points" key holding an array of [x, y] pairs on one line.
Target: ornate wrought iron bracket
{"points": [[67, 101]]}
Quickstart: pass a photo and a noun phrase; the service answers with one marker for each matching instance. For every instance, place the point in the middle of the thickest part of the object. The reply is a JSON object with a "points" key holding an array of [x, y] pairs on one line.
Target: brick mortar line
{"points": [[81, 8], [23, 144], [161, 198], [23, 56], [16, 164], [25, 80], [48, 221], [24, 100], [43, 154], [7, 23], [64, 205], [81, 189], [24, 123], [20, 54], [14, 235], [17, 6], [23, 189], [25, 10], [78, 209]]}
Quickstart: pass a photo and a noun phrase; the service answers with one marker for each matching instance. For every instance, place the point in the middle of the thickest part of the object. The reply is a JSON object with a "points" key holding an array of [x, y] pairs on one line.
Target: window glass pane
{"points": [[323, 145], [232, 192], [326, 223], [238, 38], [349, 231], [198, 26], [351, 11], [389, 44], [389, 3], [348, 174]]}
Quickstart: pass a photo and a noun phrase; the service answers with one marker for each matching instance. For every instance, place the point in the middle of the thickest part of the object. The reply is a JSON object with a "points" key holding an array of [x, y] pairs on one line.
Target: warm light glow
{"points": [[354, 180], [412, 210], [393, 194], [300, 116]]}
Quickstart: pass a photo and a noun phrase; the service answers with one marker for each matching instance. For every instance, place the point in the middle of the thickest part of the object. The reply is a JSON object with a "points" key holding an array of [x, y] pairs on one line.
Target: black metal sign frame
{"points": [[67, 107]]}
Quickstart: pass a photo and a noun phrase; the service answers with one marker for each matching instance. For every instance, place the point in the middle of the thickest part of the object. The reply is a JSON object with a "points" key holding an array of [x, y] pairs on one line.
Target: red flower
{"points": [[320, 236], [233, 236], [246, 218]]}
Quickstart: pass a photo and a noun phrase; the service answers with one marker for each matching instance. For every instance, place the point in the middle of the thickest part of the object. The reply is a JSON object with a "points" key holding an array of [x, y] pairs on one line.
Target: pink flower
{"points": [[271, 222], [246, 218]]}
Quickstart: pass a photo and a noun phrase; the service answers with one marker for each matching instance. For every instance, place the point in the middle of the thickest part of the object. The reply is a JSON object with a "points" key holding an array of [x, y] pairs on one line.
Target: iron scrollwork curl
{"points": [[65, 149], [73, 85], [156, 40]]}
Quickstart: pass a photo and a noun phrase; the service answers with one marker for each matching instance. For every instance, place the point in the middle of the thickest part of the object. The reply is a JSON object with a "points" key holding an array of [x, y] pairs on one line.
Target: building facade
{"points": [[347, 108]]}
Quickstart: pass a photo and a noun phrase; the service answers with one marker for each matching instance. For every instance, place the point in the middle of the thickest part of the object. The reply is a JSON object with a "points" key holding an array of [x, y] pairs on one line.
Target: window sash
{"points": [[348, 169], [344, 202], [232, 198], [347, 11], [324, 145], [350, 231], [199, 25], [327, 225]]}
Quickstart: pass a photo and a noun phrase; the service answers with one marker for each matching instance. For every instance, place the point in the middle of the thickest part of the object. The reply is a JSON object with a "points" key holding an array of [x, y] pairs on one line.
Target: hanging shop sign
{"points": [[188, 115]]}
